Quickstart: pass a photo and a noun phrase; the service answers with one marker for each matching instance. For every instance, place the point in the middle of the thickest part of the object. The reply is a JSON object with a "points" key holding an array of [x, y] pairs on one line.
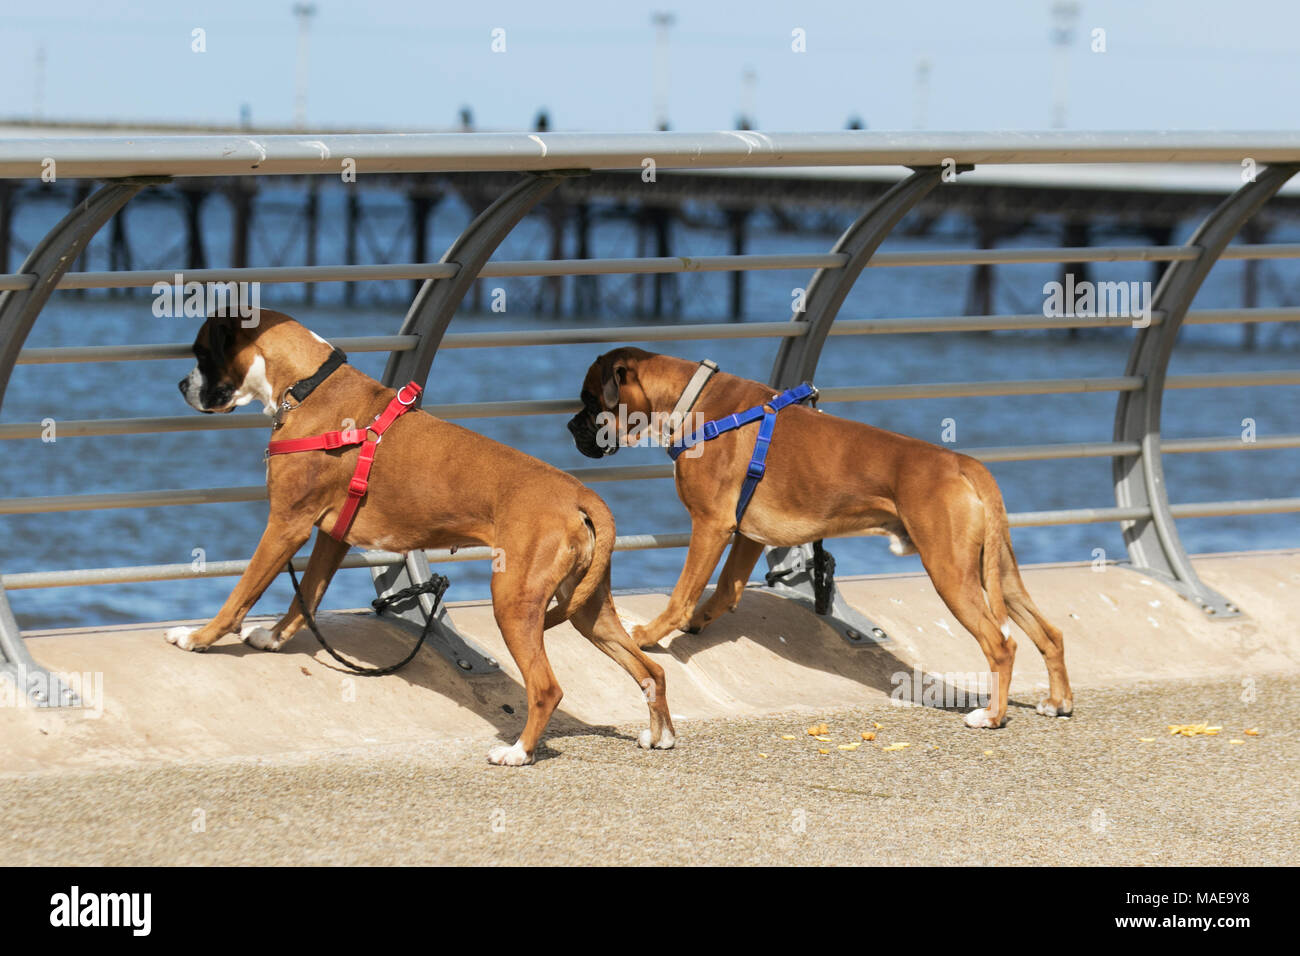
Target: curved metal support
{"points": [[796, 360], [790, 570], [1153, 543], [438, 299], [19, 309], [428, 317]]}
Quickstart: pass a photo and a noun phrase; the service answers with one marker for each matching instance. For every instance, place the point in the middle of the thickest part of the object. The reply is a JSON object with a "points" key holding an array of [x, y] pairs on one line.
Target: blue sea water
{"points": [[104, 538]]}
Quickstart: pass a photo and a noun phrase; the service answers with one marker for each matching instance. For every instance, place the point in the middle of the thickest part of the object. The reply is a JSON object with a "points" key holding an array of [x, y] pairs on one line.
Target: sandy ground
{"points": [[1085, 790]]}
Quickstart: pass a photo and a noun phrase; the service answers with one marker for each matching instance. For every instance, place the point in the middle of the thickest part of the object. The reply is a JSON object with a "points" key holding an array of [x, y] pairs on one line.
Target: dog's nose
{"points": [[184, 382]]}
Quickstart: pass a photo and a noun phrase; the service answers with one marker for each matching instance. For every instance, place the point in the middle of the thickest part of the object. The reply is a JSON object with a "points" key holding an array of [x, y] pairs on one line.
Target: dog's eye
{"points": [[590, 404]]}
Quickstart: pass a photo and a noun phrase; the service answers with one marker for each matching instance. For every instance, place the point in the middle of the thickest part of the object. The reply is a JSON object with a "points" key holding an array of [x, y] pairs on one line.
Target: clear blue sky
{"points": [[1171, 64]]}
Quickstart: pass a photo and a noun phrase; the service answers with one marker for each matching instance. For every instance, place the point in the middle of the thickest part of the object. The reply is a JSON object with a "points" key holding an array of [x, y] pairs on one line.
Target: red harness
{"points": [[398, 407]]}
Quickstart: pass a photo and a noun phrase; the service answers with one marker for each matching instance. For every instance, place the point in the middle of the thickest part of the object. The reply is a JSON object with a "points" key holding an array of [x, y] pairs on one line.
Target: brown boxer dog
{"points": [[825, 477], [433, 485]]}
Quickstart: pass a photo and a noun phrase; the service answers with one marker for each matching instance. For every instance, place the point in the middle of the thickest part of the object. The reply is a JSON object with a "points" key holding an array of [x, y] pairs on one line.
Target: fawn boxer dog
{"points": [[432, 485], [825, 477]]}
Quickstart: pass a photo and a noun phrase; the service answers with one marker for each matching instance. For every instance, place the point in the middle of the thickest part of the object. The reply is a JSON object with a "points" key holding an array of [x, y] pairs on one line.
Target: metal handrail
{"points": [[86, 354], [31, 580], [93, 427], [279, 155], [705, 331], [50, 504], [254, 155], [646, 265]]}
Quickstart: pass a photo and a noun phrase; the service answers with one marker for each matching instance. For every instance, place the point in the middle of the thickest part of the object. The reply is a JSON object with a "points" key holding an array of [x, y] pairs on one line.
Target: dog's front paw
{"points": [[665, 742], [981, 719], [513, 755], [697, 623], [642, 639], [263, 638], [182, 637]]}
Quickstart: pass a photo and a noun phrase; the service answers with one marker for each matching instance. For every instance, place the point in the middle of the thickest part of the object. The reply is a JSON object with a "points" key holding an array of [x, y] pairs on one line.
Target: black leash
{"points": [[823, 578], [436, 585], [821, 575]]}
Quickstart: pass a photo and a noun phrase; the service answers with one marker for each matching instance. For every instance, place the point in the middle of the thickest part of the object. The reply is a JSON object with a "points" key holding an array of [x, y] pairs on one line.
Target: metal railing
{"points": [[1143, 510]]}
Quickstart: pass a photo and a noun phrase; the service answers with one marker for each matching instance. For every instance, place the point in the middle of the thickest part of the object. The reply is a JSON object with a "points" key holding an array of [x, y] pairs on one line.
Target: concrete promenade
{"points": [[238, 756]]}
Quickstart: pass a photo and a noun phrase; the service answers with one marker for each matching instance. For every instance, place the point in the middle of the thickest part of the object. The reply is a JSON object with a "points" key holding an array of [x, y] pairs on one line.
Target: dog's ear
{"points": [[220, 337], [615, 375]]}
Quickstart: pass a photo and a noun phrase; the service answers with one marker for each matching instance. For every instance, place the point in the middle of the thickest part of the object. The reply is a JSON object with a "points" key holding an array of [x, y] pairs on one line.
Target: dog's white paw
{"points": [[980, 719], [513, 755], [1048, 709], [263, 638], [182, 637], [665, 741]]}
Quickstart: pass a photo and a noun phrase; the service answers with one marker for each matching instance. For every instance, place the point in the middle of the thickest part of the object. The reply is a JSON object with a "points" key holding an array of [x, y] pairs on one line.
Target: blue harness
{"points": [[757, 463]]}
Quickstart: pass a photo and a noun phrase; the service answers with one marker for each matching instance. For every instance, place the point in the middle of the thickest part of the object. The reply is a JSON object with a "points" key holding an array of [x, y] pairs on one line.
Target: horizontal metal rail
{"points": [[652, 265], [453, 340], [255, 155], [127, 279], [1066, 450], [627, 333], [638, 542], [85, 354], [215, 569], [84, 428], [710, 331]]}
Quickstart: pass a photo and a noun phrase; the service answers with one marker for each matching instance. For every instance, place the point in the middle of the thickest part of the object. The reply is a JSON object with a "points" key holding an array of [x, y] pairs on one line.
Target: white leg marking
{"points": [[263, 638], [665, 741], [513, 755], [980, 718], [1047, 709], [180, 636]]}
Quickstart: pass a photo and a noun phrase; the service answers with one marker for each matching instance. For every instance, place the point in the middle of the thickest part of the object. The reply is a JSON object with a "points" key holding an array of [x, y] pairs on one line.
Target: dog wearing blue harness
{"points": [[759, 469]]}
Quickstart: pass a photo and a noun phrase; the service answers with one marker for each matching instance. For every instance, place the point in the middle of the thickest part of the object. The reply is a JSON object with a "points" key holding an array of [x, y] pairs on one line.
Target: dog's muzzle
{"points": [[587, 434]]}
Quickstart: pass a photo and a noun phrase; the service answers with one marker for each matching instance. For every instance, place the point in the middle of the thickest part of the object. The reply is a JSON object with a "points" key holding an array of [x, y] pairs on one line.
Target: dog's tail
{"points": [[600, 521], [997, 536]]}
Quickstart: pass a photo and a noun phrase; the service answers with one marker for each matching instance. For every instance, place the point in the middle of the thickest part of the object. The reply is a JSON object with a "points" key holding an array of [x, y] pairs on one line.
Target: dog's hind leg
{"points": [[1048, 638], [519, 598], [326, 556], [966, 601], [950, 543], [598, 622], [745, 553]]}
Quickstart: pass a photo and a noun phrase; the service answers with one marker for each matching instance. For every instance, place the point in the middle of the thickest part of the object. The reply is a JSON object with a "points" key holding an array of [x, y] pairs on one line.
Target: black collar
{"points": [[300, 389], [305, 386]]}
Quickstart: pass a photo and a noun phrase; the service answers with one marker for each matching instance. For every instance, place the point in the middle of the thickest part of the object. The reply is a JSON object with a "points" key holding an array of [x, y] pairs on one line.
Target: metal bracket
{"points": [[19, 309], [796, 362], [411, 614], [40, 687], [428, 317], [1153, 543], [790, 576]]}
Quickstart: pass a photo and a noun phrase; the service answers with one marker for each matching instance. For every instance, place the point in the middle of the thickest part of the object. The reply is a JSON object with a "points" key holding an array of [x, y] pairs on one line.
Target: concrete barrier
{"points": [[160, 704]]}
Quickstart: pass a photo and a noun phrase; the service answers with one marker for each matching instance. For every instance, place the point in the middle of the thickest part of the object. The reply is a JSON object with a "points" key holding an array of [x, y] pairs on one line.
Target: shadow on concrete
{"points": [[791, 631], [373, 642]]}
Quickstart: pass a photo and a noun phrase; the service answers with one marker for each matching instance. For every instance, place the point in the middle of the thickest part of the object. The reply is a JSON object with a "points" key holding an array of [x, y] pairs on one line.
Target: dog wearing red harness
{"points": [[404, 481]]}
